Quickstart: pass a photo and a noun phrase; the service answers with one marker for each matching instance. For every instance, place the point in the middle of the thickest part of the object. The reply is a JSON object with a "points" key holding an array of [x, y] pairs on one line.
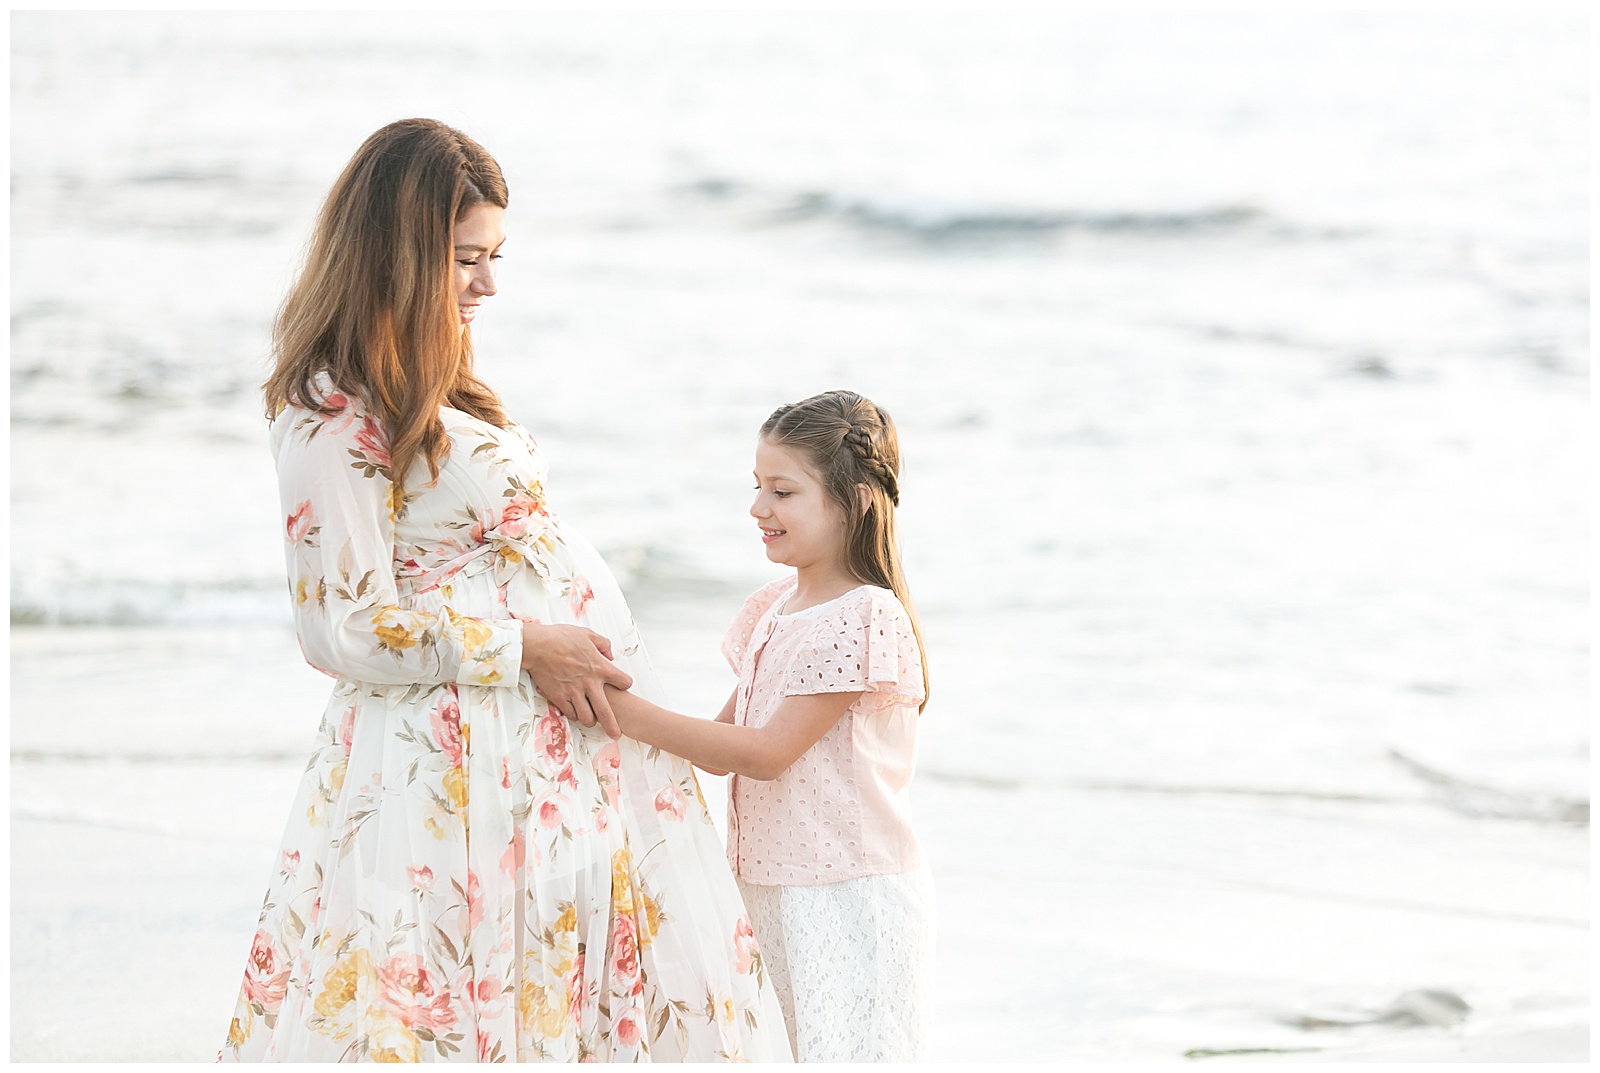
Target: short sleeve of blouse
{"points": [[758, 603], [867, 644]]}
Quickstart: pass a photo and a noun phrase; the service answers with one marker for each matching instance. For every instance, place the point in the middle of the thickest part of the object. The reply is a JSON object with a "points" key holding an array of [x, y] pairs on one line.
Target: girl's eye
{"points": [[780, 495], [468, 264]]}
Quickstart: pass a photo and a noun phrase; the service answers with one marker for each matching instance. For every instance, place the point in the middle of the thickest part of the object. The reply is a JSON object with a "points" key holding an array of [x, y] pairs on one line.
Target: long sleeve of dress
{"points": [[338, 504]]}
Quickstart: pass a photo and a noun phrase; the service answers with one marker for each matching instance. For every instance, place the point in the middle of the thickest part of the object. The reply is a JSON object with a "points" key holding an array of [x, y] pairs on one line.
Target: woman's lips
{"points": [[769, 535]]}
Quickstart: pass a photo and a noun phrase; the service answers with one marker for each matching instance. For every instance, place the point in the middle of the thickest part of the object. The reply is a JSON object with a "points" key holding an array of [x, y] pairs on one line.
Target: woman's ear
{"points": [[866, 497]]}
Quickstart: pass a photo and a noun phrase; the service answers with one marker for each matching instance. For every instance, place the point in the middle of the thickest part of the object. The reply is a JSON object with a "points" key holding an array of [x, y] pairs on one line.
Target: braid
{"points": [[861, 445]]}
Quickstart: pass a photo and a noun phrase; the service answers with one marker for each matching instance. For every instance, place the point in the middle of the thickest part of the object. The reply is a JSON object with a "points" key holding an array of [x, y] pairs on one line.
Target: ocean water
{"points": [[1240, 365]]}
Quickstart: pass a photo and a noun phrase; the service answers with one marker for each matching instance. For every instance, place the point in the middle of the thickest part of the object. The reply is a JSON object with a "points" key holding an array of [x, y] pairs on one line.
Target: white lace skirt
{"points": [[852, 963]]}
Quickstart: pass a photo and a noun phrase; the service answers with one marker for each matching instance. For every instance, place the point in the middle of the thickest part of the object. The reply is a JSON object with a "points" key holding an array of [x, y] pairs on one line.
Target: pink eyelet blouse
{"points": [[841, 811]]}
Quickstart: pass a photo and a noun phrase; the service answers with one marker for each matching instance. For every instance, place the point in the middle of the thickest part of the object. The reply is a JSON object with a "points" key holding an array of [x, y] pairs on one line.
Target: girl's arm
{"points": [[724, 716], [754, 752]]}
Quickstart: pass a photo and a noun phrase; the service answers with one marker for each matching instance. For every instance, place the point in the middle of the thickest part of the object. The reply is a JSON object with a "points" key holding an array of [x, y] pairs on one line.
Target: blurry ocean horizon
{"points": [[1240, 362]]}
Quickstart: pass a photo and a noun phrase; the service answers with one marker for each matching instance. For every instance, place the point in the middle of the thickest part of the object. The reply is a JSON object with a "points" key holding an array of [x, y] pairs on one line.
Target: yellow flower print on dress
{"points": [[455, 789], [398, 628], [621, 882], [543, 1009], [473, 633], [475, 636], [651, 923], [326, 794], [552, 979], [340, 985], [390, 1041]]}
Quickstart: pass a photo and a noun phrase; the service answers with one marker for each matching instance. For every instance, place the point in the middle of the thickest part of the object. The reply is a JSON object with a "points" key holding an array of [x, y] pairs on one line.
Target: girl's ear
{"points": [[866, 497]]}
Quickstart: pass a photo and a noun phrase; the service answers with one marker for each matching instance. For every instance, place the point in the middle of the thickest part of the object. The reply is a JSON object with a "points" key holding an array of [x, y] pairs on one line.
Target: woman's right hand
{"points": [[572, 666]]}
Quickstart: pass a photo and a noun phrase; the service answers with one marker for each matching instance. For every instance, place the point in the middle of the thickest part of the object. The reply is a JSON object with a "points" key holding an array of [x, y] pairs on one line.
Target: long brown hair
{"points": [[374, 306], [850, 443]]}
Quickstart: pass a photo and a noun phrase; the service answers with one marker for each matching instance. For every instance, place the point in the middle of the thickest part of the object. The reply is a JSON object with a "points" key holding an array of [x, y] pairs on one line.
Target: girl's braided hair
{"points": [[849, 442]]}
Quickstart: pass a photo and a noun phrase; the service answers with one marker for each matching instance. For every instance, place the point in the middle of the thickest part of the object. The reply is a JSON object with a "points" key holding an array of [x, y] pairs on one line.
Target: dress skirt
{"points": [[852, 963]]}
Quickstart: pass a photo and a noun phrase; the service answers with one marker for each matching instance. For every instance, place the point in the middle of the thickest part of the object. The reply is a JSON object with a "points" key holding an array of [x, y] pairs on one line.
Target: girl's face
{"points": [[800, 524], [479, 234]]}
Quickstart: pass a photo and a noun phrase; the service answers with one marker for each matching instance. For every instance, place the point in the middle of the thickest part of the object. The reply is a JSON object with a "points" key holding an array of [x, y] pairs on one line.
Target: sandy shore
{"points": [[1074, 925]]}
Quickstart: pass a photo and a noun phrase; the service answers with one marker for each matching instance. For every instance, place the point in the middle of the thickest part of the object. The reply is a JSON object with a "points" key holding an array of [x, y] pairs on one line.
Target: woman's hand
{"points": [[572, 666]]}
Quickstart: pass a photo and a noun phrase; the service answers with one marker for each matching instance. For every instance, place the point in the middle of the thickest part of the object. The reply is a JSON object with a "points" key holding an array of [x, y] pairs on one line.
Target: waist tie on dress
{"points": [[514, 545]]}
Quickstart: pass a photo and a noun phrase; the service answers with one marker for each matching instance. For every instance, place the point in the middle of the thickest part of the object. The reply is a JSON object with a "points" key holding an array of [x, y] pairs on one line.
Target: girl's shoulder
{"points": [[736, 642], [761, 601], [862, 603]]}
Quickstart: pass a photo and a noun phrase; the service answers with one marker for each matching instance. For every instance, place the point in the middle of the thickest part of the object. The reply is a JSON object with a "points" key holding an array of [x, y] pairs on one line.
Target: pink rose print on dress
{"points": [[291, 861], [301, 523], [446, 720], [744, 945], [576, 990], [474, 900], [347, 729], [374, 448], [553, 808], [625, 955], [550, 736], [516, 853], [608, 769], [264, 983], [411, 994], [669, 803], [630, 1027], [505, 773], [421, 877], [514, 517], [487, 996], [580, 594], [342, 414]]}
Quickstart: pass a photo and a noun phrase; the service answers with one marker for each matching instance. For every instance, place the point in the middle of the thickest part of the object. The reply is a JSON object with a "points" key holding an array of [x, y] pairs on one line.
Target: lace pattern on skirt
{"points": [[852, 963]]}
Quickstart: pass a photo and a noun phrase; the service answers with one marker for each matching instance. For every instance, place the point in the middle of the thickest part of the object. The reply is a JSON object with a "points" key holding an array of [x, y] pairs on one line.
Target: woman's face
{"points": [[479, 234]]}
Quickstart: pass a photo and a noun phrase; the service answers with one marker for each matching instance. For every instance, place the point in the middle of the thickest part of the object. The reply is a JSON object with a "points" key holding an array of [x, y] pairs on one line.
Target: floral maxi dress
{"points": [[467, 875]]}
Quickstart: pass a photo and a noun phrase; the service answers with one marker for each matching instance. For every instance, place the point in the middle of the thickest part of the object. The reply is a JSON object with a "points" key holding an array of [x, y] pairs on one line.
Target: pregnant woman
{"points": [[473, 870]]}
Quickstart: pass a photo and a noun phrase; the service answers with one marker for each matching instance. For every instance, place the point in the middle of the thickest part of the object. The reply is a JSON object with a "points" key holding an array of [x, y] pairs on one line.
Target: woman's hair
{"points": [[849, 443], [374, 306]]}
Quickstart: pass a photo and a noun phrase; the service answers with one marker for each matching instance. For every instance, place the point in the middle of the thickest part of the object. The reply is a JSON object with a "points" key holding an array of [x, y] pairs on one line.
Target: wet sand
{"points": [[1074, 924]]}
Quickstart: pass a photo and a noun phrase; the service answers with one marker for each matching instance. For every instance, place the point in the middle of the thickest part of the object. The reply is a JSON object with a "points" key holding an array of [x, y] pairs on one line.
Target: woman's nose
{"points": [[483, 281]]}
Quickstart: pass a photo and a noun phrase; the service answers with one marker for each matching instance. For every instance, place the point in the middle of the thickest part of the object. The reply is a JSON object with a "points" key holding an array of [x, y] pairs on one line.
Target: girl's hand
{"points": [[571, 666]]}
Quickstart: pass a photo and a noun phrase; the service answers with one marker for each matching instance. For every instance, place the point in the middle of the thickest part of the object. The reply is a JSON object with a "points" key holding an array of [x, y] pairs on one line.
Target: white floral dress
{"points": [[465, 874]]}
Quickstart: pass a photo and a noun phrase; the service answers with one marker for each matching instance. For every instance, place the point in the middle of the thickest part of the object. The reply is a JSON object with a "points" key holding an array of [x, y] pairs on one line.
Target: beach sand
{"points": [[1073, 924]]}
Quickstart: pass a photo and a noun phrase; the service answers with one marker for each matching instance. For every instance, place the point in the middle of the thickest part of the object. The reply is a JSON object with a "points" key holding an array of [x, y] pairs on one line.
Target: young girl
{"points": [[821, 737]]}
